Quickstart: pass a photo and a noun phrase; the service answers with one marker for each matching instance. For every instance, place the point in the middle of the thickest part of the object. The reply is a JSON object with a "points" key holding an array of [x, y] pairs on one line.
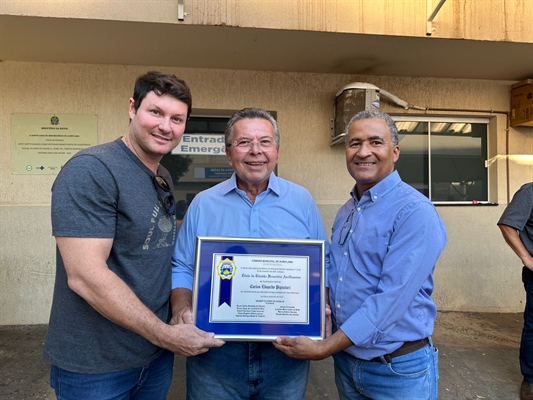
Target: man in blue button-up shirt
{"points": [[253, 203], [385, 244]]}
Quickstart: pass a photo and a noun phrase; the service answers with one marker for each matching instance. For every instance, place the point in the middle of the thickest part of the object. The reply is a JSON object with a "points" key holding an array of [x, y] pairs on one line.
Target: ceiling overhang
{"points": [[68, 40]]}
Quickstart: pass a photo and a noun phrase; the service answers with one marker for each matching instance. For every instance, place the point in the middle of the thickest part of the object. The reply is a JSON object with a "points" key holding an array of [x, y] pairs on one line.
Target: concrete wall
{"points": [[495, 20], [477, 271]]}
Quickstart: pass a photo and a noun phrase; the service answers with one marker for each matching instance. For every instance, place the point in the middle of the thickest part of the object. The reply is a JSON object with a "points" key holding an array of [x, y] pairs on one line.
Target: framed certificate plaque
{"points": [[249, 289]]}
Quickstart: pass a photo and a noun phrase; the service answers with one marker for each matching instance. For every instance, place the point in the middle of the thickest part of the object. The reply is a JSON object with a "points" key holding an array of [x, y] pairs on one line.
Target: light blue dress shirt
{"points": [[384, 249], [284, 210]]}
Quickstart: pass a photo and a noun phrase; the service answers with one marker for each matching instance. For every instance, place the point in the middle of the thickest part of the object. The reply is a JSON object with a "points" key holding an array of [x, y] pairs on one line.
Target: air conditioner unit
{"points": [[351, 99]]}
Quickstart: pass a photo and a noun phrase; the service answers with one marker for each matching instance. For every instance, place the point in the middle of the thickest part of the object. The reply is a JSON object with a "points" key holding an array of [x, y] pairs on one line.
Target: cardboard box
{"points": [[522, 103]]}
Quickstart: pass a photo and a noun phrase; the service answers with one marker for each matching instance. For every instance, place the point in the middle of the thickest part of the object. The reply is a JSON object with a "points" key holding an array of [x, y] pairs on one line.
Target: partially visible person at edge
{"points": [[386, 241], [113, 220], [516, 224], [254, 203]]}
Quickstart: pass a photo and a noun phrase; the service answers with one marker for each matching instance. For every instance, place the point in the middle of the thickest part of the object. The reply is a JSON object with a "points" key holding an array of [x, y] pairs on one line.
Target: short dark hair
{"points": [[161, 83], [250, 113], [369, 114]]}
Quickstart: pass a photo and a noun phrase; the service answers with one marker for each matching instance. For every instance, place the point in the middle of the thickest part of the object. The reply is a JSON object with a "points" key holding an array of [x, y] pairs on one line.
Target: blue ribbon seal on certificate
{"points": [[226, 270]]}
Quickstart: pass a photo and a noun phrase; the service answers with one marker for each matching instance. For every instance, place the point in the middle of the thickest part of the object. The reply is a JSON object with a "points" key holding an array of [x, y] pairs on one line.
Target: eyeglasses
{"points": [[165, 195], [345, 231], [246, 144]]}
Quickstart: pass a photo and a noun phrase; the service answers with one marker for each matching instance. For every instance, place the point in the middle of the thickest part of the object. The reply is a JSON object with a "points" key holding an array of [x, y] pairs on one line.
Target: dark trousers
{"points": [[526, 343]]}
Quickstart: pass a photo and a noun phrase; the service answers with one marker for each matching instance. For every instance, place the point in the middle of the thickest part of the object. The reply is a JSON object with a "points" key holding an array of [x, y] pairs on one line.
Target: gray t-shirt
{"points": [[107, 192], [519, 215]]}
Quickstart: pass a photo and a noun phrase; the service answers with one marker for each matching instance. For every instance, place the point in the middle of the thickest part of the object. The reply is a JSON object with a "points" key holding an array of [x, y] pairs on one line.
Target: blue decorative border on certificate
{"points": [[206, 272]]}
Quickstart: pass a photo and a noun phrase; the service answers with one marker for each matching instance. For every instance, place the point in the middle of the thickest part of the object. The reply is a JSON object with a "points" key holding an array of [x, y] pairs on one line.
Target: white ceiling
{"points": [[135, 43]]}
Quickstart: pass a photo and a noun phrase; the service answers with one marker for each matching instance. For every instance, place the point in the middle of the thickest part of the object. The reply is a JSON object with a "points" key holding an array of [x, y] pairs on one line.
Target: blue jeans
{"points": [[150, 382], [413, 376], [526, 343], [246, 370]]}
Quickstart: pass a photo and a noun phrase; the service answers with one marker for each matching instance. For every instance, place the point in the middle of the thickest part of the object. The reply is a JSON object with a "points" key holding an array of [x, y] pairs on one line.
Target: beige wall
{"points": [[476, 272], [494, 20]]}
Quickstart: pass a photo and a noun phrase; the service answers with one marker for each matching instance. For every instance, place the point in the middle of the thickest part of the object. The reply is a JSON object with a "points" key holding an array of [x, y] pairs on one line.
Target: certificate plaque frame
{"points": [[251, 289]]}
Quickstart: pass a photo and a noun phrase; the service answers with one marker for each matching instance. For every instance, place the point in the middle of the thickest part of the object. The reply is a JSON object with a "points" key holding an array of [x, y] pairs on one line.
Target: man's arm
{"points": [[181, 304], [89, 277], [512, 238], [407, 264], [303, 348]]}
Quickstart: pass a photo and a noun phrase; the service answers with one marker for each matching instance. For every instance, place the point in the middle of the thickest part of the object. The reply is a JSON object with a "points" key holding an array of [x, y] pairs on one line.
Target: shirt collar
{"points": [[231, 184], [381, 188]]}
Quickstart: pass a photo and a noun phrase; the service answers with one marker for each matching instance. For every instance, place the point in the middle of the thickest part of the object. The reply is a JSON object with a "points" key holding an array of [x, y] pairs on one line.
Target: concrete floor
{"points": [[478, 360]]}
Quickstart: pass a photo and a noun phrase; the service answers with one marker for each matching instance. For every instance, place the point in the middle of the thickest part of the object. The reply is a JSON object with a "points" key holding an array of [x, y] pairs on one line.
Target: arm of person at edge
{"points": [[417, 265], [512, 238], [90, 277]]}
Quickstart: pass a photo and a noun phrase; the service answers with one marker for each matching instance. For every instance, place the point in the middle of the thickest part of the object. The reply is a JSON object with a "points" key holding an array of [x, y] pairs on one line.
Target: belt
{"points": [[406, 348]]}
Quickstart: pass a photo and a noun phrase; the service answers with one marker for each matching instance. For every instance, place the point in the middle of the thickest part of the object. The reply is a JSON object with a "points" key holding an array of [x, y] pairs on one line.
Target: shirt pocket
{"points": [[370, 251]]}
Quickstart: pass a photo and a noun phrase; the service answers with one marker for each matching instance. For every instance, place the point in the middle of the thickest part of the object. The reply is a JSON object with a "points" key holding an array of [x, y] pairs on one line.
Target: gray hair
{"points": [[368, 114], [250, 113]]}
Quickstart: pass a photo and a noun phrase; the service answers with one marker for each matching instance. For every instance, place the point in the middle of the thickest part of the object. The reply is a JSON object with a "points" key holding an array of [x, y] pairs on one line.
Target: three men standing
{"points": [[113, 218]]}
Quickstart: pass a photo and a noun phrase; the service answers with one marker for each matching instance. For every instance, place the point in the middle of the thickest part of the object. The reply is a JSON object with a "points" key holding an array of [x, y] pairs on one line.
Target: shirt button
{"points": [[338, 306], [375, 197], [340, 279], [358, 208], [345, 253]]}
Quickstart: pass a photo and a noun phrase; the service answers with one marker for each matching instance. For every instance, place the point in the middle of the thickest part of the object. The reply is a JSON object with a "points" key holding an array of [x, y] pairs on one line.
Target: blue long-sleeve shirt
{"points": [[384, 249], [284, 210]]}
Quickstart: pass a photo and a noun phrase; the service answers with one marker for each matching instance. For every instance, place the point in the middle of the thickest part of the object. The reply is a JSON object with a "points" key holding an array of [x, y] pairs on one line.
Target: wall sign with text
{"points": [[42, 143]]}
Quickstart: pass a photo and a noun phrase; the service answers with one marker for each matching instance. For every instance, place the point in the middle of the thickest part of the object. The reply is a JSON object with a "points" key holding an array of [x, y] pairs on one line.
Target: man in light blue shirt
{"points": [[253, 203], [386, 241]]}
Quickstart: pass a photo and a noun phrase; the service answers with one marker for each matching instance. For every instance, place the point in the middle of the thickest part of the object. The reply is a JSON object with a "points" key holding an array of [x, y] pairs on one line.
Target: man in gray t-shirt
{"points": [[516, 224], [113, 217]]}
